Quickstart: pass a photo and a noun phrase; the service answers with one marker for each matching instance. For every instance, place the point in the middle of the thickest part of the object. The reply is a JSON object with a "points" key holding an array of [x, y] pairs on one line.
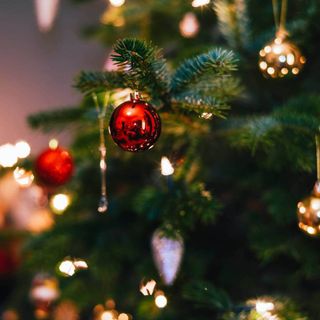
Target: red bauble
{"points": [[135, 125], [54, 167]]}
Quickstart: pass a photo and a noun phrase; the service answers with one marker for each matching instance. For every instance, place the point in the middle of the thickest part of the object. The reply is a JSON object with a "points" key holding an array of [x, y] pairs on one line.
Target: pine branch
{"points": [[233, 21], [47, 120], [88, 82], [145, 65], [206, 295], [213, 64], [201, 105]]}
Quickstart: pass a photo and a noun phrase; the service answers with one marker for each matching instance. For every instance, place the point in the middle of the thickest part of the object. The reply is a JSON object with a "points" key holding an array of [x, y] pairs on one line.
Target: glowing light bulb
{"points": [[147, 288], [166, 167], [263, 307], [53, 144], [22, 149], [117, 3], [46, 12], [23, 178], [60, 202], [8, 155], [199, 3], [160, 300], [189, 25], [123, 316], [107, 315], [80, 264], [67, 268]]}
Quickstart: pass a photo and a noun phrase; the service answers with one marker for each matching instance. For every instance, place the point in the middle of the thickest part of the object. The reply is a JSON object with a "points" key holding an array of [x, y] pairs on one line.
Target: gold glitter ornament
{"points": [[280, 58], [308, 210]]}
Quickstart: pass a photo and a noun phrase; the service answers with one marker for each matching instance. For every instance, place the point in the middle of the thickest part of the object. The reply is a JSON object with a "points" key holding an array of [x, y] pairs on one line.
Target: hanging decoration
{"points": [[44, 291], [135, 125], [280, 57], [46, 13], [167, 255], [308, 210], [54, 166], [189, 25], [101, 113]]}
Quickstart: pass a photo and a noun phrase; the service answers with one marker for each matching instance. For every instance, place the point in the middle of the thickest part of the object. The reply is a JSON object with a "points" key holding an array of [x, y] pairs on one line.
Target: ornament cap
{"points": [[135, 96]]}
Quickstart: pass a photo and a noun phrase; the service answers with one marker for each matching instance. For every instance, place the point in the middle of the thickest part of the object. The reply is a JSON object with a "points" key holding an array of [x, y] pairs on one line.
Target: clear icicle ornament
{"points": [[167, 255], [101, 111], [46, 12]]}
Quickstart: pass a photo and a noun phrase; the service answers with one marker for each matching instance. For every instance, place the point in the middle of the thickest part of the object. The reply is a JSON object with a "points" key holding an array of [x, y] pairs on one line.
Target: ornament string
{"points": [[280, 19], [101, 112], [318, 155]]}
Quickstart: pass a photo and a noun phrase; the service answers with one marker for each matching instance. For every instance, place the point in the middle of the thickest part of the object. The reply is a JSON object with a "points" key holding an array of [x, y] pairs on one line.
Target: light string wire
{"points": [[101, 113]]}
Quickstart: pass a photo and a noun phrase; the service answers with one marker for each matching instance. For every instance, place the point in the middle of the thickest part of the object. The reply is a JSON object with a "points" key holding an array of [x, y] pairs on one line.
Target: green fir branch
{"points": [[89, 82], [201, 105], [215, 63], [48, 119], [145, 66]]}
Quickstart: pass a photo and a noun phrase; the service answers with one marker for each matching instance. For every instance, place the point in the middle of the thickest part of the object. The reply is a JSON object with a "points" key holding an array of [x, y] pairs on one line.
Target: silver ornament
{"points": [[167, 255]]}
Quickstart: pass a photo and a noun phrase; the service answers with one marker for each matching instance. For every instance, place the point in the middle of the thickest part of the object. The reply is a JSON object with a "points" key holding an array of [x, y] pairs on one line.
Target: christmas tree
{"points": [[202, 223]]}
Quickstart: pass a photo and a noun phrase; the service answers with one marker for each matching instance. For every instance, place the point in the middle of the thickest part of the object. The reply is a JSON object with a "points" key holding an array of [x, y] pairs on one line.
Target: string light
{"points": [[160, 299], [8, 155], [166, 167], [60, 202], [53, 144], [199, 3], [189, 25], [22, 177], [67, 268], [22, 149], [117, 3], [147, 287], [263, 307]]}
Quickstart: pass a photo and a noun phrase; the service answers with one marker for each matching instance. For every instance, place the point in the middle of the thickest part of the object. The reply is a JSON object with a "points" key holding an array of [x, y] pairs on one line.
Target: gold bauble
{"points": [[280, 58], [308, 211]]}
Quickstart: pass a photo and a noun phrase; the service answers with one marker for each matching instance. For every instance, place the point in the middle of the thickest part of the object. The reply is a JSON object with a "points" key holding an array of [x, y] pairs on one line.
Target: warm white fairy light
{"points": [[262, 306], [22, 149], [80, 264], [189, 25], [107, 315], [67, 268], [53, 144], [200, 3], [60, 202], [46, 12], [22, 177], [160, 300], [166, 167], [117, 3], [123, 316], [147, 288], [8, 155]]}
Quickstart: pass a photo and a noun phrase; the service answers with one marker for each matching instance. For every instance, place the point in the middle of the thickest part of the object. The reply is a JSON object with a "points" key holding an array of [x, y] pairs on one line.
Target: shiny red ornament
{"points": [[54, 167], [135, 125]]}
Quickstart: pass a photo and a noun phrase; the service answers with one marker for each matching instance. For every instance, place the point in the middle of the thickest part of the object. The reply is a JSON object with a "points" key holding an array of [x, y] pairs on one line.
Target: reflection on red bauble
{"points": [[135, 125], [54, 167]]}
